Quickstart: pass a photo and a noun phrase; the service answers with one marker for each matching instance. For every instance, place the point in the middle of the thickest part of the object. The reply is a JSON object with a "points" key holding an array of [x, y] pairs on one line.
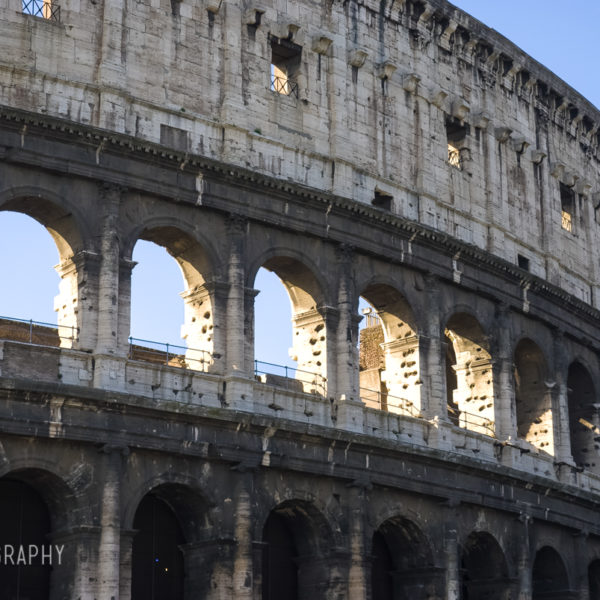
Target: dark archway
{"points": [[583, 417], [533, 397], [549, 577], [296, 541], [594, 580], [402, 564], [157, 560], [484, 573], [24, 523]]}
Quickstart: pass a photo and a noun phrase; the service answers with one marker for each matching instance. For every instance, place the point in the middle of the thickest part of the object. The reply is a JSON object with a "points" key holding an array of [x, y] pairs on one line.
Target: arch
{"points": [[484, 571], [203, 316], [309, 320], [533, 396], [594, 579], [549, 574], [584, 420], [402, 562], [389, 352], [71, 237], [469, 368], [24, 523], [157, 564], [296, 541]]}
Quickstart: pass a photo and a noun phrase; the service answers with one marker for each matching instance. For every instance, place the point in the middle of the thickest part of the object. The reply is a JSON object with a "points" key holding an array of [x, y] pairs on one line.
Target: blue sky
{"points": [[559, 35]]}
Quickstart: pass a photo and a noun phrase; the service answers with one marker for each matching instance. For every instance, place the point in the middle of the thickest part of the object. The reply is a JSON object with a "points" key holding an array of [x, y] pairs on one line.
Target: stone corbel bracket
{"points": [[557, 169], [481, 120], [570, 178], [502, 134], [583, 187], [537, 156], [460, 109], [410, 82], [321, 44], [437, 96], [444, 40], [213, 6], [520, 144], [254, 15], [357, 57], [287, 30], [385, 69]]}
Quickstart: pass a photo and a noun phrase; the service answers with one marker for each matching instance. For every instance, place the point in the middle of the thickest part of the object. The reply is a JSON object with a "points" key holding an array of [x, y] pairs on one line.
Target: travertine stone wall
{"points": [[377, 86]]}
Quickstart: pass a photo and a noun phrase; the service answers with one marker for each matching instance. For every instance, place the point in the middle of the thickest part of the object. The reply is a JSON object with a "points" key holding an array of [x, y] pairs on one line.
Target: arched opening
{"points": [[402, 564], [308, 351], [159, 318], [294, 563], [484, 573], [24, 524], [469, 369], [594, 580], [549, 576], [533, 397], [157, 560], [584, 420], [33, 310], [389, 367]]}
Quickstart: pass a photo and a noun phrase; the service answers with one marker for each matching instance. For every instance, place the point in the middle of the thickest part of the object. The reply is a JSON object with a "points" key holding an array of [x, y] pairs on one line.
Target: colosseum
{"points": [[397, 151]]}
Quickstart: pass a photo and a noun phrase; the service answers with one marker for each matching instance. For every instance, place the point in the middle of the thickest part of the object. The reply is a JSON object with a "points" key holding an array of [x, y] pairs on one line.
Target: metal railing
{"points": [[389, 403], [45, 9], [171, 355], [290, 378], [36, 332], [471, 421], [284, 85]]}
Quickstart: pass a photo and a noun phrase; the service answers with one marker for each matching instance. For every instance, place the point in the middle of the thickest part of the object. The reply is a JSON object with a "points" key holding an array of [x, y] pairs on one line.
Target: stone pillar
{"points": [[75, 576], [108, 280], [232, 107], [432, 355], [347, 393], [124, 318], [504, 390], [580, 579], [78, 293], [109, 557], [524, 565], [451, 551], [126, 556], [359, 551], [236, 301], [560, 406]]}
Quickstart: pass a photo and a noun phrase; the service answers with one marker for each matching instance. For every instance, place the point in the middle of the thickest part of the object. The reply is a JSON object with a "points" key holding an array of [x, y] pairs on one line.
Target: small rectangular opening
{"points": [[382, 200], [285, 64], [567, 207], [45, 9], [456, 134], [523, 262]]}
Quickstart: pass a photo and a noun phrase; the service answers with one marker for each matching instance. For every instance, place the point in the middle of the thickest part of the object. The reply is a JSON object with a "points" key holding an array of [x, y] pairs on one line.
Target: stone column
{"points": [[242, 560], [232, 107], [504, 392], [580, 579], [359, 552], [124, 317], [109, 557], [560, 406], [432, 359], [108, 280], [525, 566], [236, 304], [126, 557], [347, 393], [451, 552]]}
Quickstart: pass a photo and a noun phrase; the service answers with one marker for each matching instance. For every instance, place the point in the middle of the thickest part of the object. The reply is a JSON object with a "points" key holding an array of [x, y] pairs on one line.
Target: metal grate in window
{"points": [[44, 9]]}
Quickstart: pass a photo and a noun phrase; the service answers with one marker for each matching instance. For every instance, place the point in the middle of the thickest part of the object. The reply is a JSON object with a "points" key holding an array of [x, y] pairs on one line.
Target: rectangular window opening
{"points": [[382, 200], [285, 64], [567, 207], [523, 262], [45, 9], [456, 134]]}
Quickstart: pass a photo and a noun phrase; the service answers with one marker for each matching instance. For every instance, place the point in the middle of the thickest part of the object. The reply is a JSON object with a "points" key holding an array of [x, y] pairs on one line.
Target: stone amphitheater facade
{"points": [[395, 150]]}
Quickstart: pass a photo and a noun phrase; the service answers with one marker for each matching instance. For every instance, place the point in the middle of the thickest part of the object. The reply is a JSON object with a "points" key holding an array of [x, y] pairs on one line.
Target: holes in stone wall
{"points": [[584, 420]]}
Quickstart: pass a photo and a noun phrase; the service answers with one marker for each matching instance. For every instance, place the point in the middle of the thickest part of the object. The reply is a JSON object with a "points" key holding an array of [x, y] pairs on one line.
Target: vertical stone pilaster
{"points": [[108, 280], [109, 557], [236, 301], [126, 556], [232, 107], [433, 361], [359, 552], [124, 317], [504, 392], [560, 406], [580, 579], [524, 565], [242, 575], [451, 554]]}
